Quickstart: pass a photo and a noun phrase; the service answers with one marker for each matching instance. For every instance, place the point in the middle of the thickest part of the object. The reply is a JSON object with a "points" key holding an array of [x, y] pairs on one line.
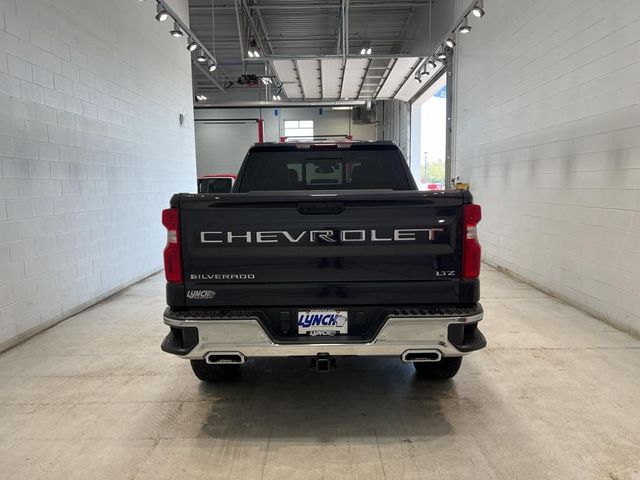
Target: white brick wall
{"points": [[548, 135], [90, 152]]}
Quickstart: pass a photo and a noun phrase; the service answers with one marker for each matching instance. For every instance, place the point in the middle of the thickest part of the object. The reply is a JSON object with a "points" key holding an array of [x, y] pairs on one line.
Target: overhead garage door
{"points": [[222, 144]]}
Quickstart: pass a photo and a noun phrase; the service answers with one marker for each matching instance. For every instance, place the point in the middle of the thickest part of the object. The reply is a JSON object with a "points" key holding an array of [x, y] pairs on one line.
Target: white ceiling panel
{"points": [[353, 74], [331, 74], [310, 77], [399, 72], [287, 74], [411, 87]]}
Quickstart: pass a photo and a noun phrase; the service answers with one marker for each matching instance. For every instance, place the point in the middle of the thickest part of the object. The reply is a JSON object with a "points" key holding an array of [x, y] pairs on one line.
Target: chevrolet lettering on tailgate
{"points": [[321, 236]]}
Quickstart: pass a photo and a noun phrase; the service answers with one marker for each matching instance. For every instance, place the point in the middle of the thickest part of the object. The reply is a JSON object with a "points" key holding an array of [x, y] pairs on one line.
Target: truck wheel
{"points": [[442, 370], [214, 373]]}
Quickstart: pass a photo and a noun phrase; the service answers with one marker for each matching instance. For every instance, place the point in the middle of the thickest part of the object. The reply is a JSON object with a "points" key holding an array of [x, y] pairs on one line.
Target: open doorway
{"points": [[429, 136]]}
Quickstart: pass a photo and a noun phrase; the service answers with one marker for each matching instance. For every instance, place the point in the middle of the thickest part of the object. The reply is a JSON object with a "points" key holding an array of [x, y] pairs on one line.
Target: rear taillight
{"points": [[172, 256], [471, 248]]}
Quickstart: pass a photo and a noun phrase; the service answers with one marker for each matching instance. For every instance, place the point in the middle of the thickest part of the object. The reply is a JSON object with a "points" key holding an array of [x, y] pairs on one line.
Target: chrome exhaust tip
{"points": [[411, 356], [220, 358]]}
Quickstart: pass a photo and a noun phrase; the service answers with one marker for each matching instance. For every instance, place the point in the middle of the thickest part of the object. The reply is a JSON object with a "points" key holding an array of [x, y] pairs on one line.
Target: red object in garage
{"points": [[260, 130]]}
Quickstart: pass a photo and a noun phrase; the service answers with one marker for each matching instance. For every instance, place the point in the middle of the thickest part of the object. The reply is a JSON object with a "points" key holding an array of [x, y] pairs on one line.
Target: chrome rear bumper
{"points": [[399, 335]]}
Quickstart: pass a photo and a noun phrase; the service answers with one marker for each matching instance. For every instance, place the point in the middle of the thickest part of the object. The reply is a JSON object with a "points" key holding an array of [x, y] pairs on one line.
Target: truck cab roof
{"points": [[323, 145]]}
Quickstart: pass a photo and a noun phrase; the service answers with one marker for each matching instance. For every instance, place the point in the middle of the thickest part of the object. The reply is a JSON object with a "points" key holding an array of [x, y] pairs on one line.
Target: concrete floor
{"points": [[554, 396]]}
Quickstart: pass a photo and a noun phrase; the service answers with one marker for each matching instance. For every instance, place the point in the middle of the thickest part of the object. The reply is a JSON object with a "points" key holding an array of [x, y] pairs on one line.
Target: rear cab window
{"points": [[335, 169]]}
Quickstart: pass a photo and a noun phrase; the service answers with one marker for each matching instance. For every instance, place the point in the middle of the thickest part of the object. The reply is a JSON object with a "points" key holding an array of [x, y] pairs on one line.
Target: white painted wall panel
{"points": [[221, 148], [90, 152], [548, 135], [394, 123]]}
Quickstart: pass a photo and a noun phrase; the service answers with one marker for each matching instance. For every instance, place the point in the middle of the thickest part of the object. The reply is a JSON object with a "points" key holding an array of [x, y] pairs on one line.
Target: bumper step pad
{"points": [[466, 338], [180, 341]]}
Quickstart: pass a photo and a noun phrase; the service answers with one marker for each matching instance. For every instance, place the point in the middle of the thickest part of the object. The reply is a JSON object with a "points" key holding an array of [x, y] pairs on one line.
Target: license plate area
{"points": [[323, 322]]}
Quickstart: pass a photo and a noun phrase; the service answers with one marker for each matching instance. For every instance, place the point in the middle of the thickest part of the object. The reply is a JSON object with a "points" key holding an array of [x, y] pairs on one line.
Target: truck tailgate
{"points": [[314, 249]]}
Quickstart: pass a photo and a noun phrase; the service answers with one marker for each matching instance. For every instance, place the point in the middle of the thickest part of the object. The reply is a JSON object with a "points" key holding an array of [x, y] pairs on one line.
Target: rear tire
{"points": [[442, 370], [215, 373]]}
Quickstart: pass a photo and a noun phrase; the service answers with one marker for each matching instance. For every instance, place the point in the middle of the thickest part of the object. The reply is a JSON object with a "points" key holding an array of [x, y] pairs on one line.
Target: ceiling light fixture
{"points": [[478, 10], [445, 50], [201, 57], [212, 66], [176, 32], [201, 98], [366, 49], [161, 13], [253, 49], [465, 27], [192, 45]]}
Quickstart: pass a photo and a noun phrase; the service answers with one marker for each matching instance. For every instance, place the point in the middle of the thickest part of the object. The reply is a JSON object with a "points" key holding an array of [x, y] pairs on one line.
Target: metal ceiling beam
{"points": [[307, 57], [293, 103], [320, 6], [264, 31], [208, 75], [316, 5], [402, 36], [252, 26], [339, 31], [265, 34], [346, 29], [242, 51], [315, 38]]}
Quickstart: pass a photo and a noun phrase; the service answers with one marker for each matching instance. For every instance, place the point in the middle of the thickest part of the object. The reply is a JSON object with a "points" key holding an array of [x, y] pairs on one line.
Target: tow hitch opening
{"points": [[323, 362]]}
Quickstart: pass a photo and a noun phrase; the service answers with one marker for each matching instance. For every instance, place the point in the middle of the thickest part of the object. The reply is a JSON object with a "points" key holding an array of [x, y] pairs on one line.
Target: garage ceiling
{"points": [[301, 48]]}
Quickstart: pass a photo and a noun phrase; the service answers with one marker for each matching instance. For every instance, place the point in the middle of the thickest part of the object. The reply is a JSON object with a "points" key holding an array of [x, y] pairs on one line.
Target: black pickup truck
{"points": [[323, 250]]}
